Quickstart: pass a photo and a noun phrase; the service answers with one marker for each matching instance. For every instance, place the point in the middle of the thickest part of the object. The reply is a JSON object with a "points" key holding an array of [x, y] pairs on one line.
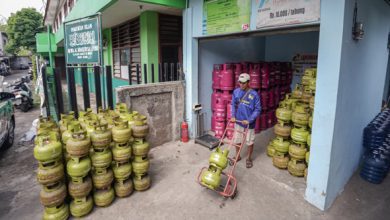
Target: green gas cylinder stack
{"points": [[48, 151], [291, 148]]}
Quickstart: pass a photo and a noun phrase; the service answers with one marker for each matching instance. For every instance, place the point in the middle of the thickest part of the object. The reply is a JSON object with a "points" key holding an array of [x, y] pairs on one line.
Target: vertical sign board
{"points": [[226, 16], [82, 41], [286, 12]]}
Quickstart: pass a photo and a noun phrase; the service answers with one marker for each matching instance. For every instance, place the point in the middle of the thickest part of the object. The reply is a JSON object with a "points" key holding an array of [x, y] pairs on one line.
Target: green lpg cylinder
{"points": [[270, 149], [60, 212], [296, 167], [101, 159], [308, 141], [80, 189], [79, 145], [310, 121], [140, 147], [81, 206], [299, 135], [219, 158], [121, 132], [300, 116], [50, 176], [297, 151], [104, 197], [306, 95], [67, 134], [140, 128], [281, 145], [123, 188], [141, 183], [102, 178], [280, 161], [53, 195], [297, 92], [283, 114], [121, 152], [78, 168], [140, 165], [311, 103], [283, 130], [122, 171], [101, 137], [48, 148], [211, 178]]}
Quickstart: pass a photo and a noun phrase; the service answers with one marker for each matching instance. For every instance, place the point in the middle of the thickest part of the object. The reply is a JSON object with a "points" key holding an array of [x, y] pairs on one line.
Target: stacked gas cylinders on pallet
{"points": [[98, 149], [290, 148], [270, 79], [376, 142]]}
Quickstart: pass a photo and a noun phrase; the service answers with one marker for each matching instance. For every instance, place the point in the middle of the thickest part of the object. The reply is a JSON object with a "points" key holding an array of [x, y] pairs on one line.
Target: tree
{"points": [[21, 30]]}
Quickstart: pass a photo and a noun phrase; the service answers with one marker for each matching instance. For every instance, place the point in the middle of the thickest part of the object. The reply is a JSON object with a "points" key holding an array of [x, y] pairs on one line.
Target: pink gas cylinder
{"points": [[272, 76], [265, 73], [270, 119], [237, 72], [213, 121], [254, 73], [220, 111], [257, 125], [264, 99], [277, 96], [263, 121], [227, 77], [271, 98], [229, 133], [217, 76], [228, 110], [219, 128], [226, 97], [215, 96]]}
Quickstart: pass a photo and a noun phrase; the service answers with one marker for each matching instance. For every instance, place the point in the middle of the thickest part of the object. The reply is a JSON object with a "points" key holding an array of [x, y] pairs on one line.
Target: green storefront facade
{"points": [[131, 33]]}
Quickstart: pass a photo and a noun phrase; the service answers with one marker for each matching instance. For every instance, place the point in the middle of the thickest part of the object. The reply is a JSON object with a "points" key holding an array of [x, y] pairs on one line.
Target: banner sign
{"points": [[226, 16], [285, 12], [82, 41]]}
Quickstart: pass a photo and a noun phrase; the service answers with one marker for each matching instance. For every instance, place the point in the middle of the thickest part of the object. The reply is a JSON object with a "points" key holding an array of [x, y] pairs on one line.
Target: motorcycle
{"points": [[23, 95]]}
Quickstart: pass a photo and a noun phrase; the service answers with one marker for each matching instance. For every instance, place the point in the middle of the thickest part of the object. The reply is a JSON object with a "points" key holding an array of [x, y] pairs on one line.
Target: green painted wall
{"points": [[181, 4], [149, 42]]}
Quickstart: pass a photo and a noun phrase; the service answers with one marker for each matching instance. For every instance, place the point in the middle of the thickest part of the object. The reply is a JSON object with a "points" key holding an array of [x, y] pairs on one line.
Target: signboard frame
{"points": [[99, 41]]}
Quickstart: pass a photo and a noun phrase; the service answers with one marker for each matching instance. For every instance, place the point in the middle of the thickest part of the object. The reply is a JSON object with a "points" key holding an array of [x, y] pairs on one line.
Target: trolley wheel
{"points": [[231, 162]]}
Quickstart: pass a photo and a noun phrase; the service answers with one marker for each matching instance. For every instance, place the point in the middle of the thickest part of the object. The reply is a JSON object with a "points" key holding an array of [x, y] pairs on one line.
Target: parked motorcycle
{"points": [[23, 95]]}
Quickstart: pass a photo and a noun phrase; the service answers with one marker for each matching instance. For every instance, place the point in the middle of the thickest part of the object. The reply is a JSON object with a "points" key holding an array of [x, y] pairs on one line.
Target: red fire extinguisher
{"points": [[184, 132]]}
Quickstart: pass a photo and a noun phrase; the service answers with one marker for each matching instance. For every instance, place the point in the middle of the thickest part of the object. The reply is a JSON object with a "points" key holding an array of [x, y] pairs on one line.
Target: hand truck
{"points": [[229, 189]]}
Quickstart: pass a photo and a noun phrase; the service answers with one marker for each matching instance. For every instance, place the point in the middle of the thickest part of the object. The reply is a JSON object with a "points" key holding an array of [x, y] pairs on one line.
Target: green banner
{"points": [[82, 41], [226, 16]]}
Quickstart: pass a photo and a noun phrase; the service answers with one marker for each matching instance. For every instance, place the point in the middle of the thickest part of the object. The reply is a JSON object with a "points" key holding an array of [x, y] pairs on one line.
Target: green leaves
{"points": [[21, 29]]}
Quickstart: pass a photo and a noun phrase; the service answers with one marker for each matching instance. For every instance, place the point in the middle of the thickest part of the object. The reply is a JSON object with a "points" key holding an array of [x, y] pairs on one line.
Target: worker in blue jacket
{"points": [[245, 109]]}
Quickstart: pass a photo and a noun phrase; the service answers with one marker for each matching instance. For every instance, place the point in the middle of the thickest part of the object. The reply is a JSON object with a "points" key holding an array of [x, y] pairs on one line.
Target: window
{"points": [[170, 35], [126, 49]]}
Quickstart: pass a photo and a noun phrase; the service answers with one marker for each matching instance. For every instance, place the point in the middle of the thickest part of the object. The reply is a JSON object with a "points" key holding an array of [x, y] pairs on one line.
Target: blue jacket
{"points": [[246, 109]]}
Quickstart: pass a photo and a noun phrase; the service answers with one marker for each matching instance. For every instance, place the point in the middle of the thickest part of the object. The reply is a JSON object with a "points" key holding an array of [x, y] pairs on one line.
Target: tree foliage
{"points": [[21, 29]]}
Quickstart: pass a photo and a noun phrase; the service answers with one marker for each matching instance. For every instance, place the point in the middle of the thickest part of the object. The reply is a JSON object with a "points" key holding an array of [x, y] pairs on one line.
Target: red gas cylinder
{"points": [[228, 110], [226, 97], [257, 125], [184, 132], [263, 121], [254, 73], [219, 128], [282, 93], [227, 77], [264, 100], [237, 72], [229, 133], [271, 98], [213, 120], [217, 76], [265, 73], [272, 76], [215, 96], [220, 111]]}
